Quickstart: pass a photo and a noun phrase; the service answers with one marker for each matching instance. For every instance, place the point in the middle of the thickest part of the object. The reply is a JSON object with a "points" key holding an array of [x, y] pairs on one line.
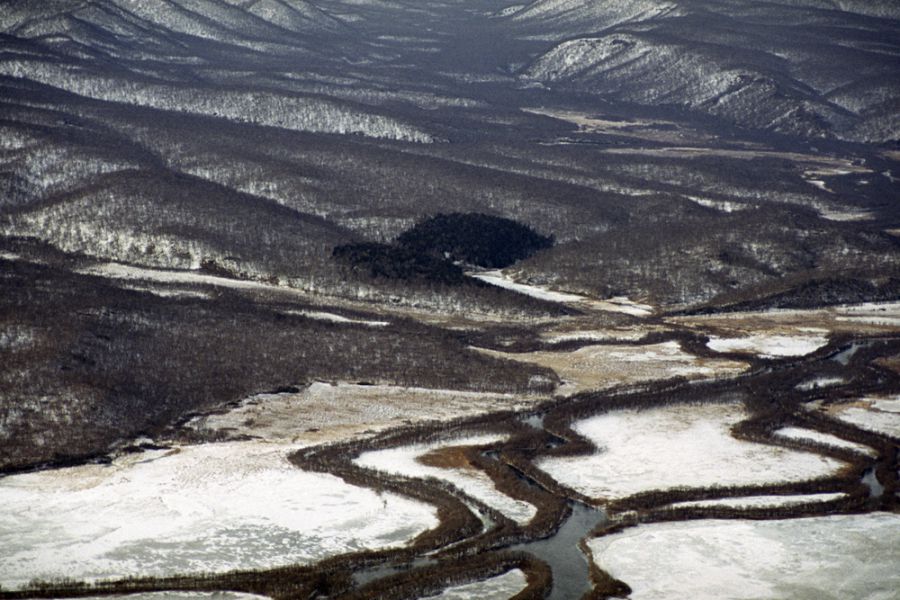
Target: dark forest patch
{"points": [[435, 248], [475, 238]]}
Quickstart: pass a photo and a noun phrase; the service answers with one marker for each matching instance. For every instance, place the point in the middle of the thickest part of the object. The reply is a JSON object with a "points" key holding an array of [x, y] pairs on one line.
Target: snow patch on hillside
{"points": [[619, 304]]}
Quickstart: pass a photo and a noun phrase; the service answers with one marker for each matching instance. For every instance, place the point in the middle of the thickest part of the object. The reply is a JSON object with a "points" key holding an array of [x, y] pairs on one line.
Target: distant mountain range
{"points": [[808, 68], [812, 68]]}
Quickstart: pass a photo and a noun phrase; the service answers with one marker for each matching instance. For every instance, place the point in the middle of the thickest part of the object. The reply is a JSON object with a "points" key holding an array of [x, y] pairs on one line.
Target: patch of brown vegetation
{"points": [[889, 362], [450, 457]]}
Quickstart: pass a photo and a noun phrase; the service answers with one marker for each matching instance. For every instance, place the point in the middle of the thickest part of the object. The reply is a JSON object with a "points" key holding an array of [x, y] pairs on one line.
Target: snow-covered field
{"points": [[180, 596], [405, 460], [876, 313], [869, 317], [771, 345], [675, 446], [798, 433], [819, 382], [209, 508], [325, 412], [501, 587], [618, 304], [759, 501], [499, 279], [891, 404], [822, 558], [624, 334], [319, 315], [881, 415], [132, 273], [599, 366]]}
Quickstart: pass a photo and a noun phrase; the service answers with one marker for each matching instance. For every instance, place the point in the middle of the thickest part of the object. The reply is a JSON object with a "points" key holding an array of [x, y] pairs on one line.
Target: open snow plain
{"points": [[210, 508], [677, 447], [833, 557]]}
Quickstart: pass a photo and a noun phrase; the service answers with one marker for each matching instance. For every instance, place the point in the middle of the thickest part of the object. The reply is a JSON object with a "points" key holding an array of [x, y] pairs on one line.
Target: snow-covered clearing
{"points": [[600, 366], [821, 558], [892, 320], [164, 292], [759, 501], [645, 129], [333, 318], [820, 382], [891, 405], [324, 412], [594, 123], [406, 460], [617, 304], [132, 273], [798, 433], [845, 215], [209, 508], [501, 587], [771, 345], [858, 319], [180, 596], [675, 446], [499, 279], [886, 314], [818, 165], [819, 184], [877, 414], [624, 334], [870, 309], [721, 205]]}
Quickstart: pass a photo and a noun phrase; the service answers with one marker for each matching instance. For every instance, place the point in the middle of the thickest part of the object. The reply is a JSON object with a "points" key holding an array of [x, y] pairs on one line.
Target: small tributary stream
{"points": [[560, 551]]}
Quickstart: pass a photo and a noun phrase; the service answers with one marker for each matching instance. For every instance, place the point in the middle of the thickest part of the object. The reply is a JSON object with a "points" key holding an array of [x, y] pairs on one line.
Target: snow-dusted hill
{"points": [[245, 61], [325, 122], [808, 68]]}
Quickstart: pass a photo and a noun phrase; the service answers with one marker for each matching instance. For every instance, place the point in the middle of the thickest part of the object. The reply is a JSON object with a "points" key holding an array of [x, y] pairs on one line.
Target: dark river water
{"points": [[571, 575]]}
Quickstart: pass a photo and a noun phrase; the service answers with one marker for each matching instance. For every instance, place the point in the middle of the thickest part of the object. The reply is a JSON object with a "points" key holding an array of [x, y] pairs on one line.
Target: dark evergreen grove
{"points": [[434, 248], [393, 262], [475, 238]]}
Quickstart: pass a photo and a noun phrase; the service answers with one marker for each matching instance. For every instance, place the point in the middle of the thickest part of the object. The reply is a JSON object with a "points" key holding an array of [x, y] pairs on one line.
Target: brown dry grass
{"points": [[597, 367], [451, 457], [791, 322], [889, 362]]}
